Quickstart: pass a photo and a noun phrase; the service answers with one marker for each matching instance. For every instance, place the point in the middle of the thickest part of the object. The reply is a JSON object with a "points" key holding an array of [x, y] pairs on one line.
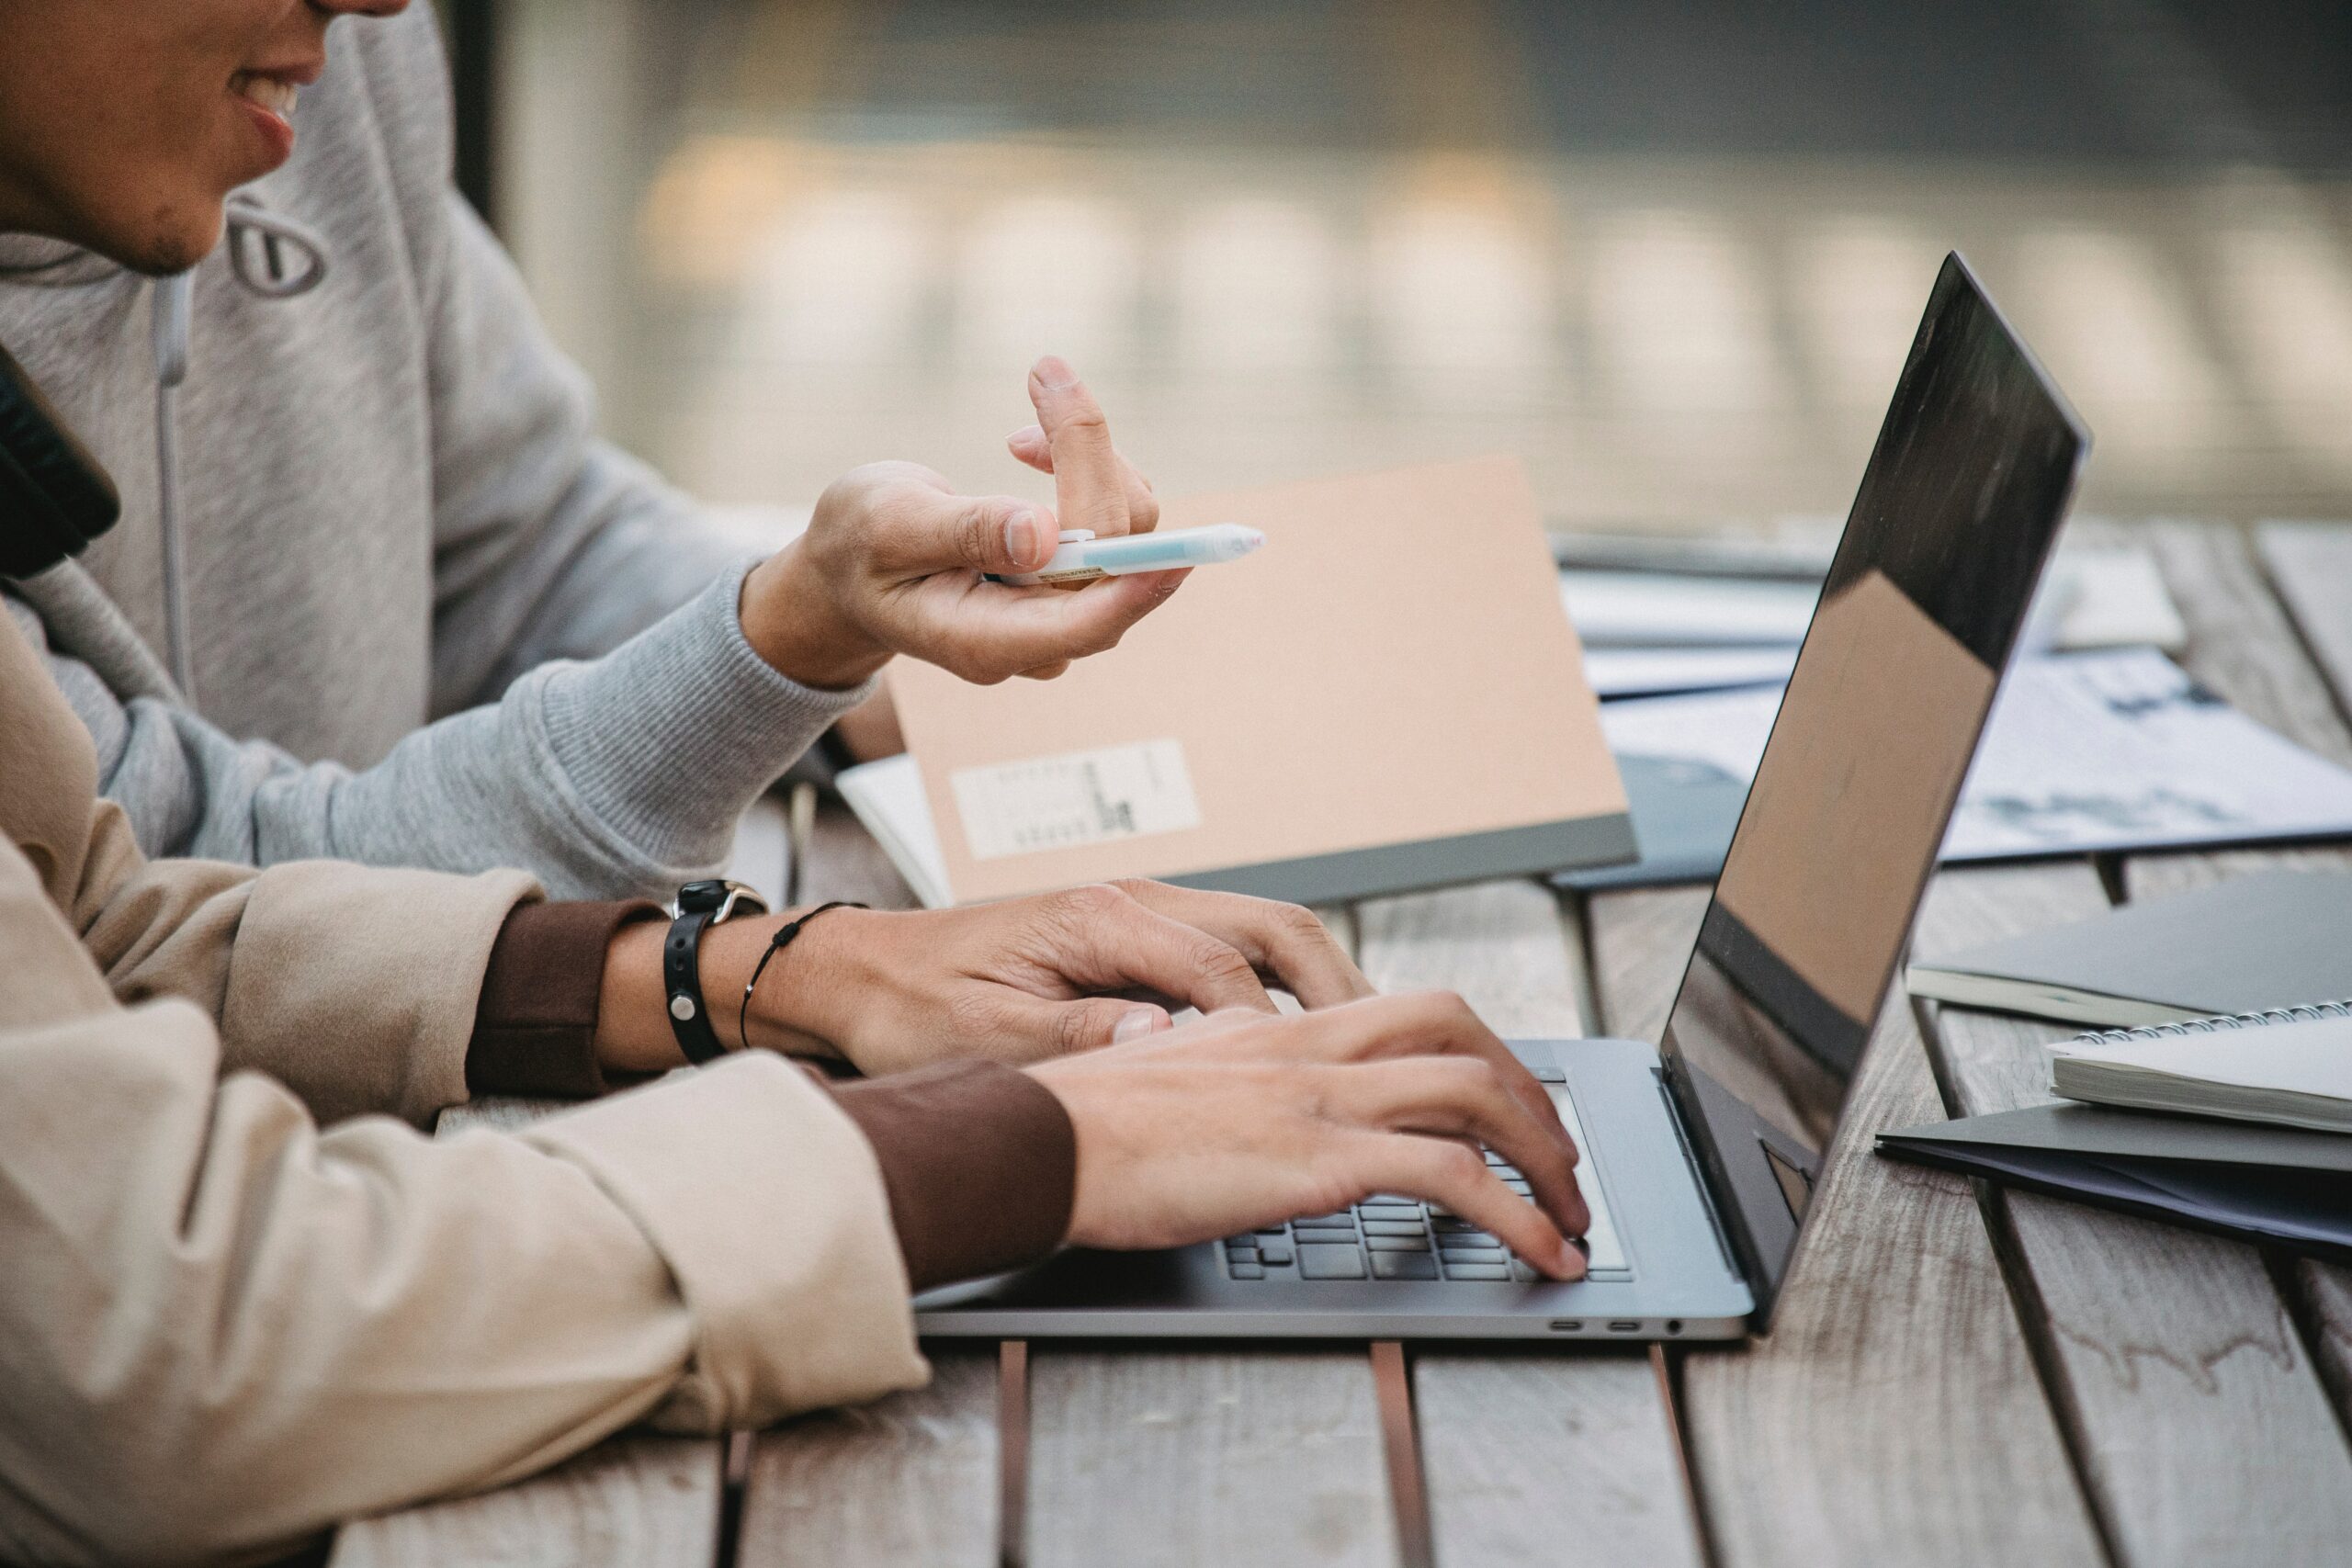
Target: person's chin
{"points": [[173, 238]]}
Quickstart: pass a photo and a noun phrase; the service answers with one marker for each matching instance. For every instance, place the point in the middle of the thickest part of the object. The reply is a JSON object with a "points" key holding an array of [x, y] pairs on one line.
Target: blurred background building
{"points": [[1670, 253]]}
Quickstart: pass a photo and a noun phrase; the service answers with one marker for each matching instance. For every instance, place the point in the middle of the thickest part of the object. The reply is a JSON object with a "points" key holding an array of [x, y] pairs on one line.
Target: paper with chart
{"points": [[2085, 751]]}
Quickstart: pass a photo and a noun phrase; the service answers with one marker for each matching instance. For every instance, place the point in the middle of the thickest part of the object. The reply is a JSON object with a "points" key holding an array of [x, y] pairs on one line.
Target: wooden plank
{"points": [[1937, 1445], [1148, 1456], [2239, 642], [1557, 1455], [1641, 944], [2322, 1291], [1206, 1455], [909, 1480], [2194, 1415], [1526, 1452], [1894, 1413], [625, 1503], [2309, 565], [1508, 947]]}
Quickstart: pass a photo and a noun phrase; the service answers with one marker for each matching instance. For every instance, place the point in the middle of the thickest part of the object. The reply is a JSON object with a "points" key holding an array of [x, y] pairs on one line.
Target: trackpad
{"points": [[1602, 1249]]}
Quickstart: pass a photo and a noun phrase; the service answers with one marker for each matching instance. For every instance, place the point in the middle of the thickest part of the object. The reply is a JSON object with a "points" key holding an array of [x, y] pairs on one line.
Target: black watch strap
{"points": [[701, 905]]}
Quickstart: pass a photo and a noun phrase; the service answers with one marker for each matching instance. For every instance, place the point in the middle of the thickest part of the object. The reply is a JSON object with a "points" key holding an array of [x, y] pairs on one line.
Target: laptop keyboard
{"points": [[1392, 1237]]}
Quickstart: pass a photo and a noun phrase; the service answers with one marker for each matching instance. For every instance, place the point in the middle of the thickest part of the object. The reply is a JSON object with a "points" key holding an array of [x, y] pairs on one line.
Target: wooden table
{"points": [[1957, 1375]]}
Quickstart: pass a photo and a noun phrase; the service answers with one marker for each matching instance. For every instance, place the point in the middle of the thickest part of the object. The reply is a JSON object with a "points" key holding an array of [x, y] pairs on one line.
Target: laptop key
{"points": [[1389, 1210], [1321, 1260], [1325, 1223], [1403, 1265], [1245, 1270], [1397, 1242], [1495, 1270], [1274, 1254], [1391, 1228]]}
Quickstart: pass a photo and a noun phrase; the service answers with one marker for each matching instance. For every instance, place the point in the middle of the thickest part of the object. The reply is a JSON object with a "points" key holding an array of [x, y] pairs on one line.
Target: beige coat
{"points": [[237, 1305]]}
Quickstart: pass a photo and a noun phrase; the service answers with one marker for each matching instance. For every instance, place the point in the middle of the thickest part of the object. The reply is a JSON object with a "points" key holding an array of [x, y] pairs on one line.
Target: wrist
{"points": [[792, 623], [632, 1015], [807, 999]]}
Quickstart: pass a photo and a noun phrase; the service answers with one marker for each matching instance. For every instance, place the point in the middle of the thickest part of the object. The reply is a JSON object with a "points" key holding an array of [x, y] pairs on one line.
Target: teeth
{"points": [[276, 97]]}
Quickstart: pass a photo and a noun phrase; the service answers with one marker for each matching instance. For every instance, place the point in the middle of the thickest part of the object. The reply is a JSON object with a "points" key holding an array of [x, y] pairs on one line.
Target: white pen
{"points": [[1083, 557]]}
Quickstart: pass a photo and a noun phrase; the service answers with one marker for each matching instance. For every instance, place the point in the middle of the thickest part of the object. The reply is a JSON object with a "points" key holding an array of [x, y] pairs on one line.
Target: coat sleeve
{"points": [[222, 1329]]}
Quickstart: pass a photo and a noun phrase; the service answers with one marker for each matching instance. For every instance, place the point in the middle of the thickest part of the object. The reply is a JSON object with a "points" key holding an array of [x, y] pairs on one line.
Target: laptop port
{"points": [[1567, 1326], [1674, 1325], [1625, 1325]]}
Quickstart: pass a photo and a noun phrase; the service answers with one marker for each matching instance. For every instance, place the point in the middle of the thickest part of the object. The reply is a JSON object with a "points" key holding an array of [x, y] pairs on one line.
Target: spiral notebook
{"points": [[2286, 1068], [2256, 1149]]}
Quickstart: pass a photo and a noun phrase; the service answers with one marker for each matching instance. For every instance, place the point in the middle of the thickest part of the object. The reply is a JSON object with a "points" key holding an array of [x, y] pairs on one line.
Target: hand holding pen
{"points": [[895, 561]]}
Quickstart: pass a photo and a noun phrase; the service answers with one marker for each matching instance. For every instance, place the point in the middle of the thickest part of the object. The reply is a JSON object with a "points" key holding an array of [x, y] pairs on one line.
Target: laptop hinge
{"points": [[1698, 1179]]}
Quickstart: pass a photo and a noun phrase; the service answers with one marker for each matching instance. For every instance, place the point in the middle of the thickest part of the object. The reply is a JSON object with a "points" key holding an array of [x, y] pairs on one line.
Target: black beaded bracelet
{"points": [[782, 939]]}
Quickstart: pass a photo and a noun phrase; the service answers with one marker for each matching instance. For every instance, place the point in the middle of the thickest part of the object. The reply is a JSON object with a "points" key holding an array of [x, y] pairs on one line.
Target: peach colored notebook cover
{"points": [[1387, 695]]}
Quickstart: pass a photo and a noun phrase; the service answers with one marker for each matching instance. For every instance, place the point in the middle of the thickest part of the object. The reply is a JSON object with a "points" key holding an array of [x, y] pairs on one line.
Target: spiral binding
{"points": [[2300, 1014]]}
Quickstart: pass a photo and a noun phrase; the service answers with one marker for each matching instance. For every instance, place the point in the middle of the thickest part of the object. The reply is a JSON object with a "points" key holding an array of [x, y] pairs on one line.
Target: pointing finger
{"points": [[1090, 490], [1029, 445]]}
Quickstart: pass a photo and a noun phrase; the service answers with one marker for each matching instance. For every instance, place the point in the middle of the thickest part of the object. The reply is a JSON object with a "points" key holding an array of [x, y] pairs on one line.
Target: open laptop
{"points": [[1700, 1153]]}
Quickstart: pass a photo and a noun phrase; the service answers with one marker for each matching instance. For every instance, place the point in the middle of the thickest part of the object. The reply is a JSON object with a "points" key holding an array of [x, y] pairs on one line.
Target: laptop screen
{"points": [[1941, 555]]}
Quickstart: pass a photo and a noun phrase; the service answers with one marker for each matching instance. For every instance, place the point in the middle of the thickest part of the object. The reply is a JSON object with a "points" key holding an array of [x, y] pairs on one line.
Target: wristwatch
{"points": [[700, 905]]}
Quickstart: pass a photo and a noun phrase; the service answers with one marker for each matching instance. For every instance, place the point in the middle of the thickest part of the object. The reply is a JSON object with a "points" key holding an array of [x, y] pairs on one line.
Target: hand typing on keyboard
{"points": [[1243, 1120]]}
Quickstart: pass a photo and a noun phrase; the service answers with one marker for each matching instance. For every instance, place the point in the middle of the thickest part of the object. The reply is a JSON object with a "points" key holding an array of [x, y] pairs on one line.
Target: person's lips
{"points": [[272, 93], [267, 98]]}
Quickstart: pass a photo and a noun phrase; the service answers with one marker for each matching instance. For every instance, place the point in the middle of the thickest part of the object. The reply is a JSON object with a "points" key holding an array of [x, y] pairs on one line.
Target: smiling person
{"points": [[245, 1298], [378, 593], [376, 498]]}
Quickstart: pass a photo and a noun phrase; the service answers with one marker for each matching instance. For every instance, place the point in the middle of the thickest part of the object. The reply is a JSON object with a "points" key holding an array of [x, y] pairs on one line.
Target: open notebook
{"points": [[1386, 697]]}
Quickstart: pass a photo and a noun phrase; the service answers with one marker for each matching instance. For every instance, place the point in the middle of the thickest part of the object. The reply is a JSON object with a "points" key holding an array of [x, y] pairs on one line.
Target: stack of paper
{"points": [[1651, 632], [2084, 753]]}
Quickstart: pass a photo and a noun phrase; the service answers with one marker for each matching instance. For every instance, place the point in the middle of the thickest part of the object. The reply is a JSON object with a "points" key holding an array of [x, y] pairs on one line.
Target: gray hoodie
{"points": [[376, 511]]}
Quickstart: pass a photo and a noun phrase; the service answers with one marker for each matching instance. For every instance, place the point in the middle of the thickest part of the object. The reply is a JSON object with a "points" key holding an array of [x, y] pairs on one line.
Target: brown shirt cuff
{"points": [[535, 1028], [981, 1163]]}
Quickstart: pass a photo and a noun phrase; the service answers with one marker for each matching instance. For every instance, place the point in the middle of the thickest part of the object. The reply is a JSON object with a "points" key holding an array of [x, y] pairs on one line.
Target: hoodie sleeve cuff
{"points": [[668, 738], [980, 1162], [768, 1206]]}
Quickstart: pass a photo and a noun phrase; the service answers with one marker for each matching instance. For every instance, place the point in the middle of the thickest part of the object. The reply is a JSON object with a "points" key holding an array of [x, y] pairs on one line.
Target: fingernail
{"points": [[1054, 374], [1021, 537], [1135, 1026], [1027, 435]]}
